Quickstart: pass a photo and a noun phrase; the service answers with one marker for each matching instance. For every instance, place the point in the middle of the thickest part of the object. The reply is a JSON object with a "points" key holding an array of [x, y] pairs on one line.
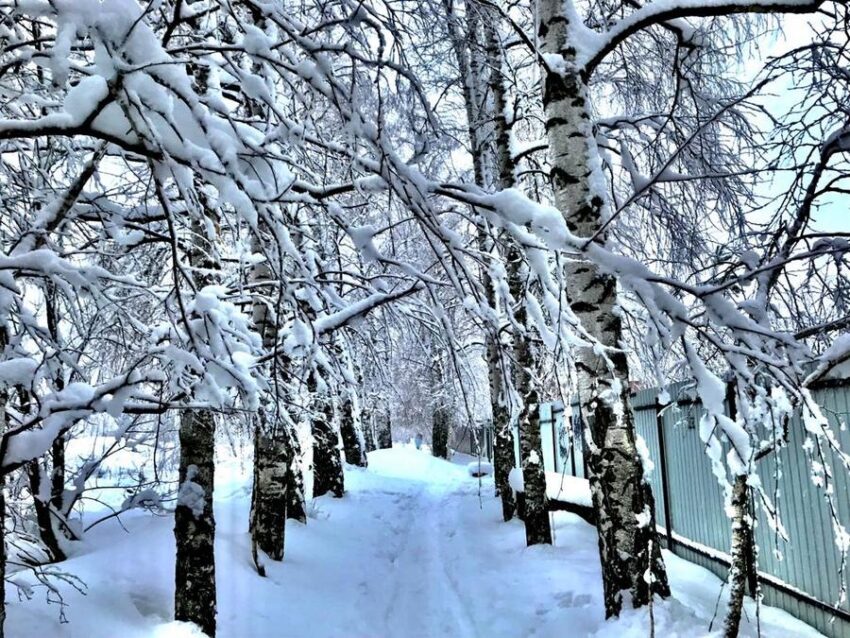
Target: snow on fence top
{"points": [[559, 487]]}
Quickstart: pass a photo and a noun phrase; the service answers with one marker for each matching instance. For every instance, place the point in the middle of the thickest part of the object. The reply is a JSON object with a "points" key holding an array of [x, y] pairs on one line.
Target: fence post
{"points": [[665, 487]]}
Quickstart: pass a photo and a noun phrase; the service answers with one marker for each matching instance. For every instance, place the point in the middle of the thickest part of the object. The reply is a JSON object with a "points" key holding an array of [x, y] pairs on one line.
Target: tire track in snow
{"points": [[426, 602]]}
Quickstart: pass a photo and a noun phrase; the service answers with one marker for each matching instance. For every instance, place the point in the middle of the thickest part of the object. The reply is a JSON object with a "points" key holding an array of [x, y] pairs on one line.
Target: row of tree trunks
{"points": [[629, 551]]}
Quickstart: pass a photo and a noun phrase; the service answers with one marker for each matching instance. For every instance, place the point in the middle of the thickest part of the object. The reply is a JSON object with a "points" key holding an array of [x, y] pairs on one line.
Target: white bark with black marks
{"points": [[742, 567], [269, 496]]}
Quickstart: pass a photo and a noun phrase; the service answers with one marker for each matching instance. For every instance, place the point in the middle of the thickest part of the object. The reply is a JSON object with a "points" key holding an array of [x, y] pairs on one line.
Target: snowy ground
{"points": [[412, 551]]}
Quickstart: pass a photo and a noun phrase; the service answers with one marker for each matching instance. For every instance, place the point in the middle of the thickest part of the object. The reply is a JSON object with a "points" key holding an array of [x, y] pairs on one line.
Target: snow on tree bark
{"points": [[194, 522], [535, 510], [277, 482], [466, 47], [622, 498], [57, 449], [42, 505]]}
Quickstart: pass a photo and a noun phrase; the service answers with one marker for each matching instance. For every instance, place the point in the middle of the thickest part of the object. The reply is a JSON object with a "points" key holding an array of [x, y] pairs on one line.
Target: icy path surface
{"points": [[416, 549]]}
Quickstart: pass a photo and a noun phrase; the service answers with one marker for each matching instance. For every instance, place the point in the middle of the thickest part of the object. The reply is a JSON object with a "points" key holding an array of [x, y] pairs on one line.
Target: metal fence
{"points": [[801, 575], [473, 440]]}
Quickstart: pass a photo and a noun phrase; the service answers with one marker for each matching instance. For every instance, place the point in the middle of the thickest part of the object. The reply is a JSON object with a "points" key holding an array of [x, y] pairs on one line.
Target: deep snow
{"points": [[416, 549]]}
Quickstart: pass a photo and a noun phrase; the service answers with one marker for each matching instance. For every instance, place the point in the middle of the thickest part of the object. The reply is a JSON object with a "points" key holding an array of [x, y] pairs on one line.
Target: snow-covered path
{"points": [[416, 549]]}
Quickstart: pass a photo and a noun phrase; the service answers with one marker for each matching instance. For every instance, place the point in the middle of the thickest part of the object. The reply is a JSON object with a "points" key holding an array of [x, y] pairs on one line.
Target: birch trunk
{"points": [[742, 565], [327, 466], [368, 430], [385, 432], [47, 480], [440, 433], [269, 496], [535, 507], [57, 449], [295, 507], [194, 522], [351, 437], [275, 462], [41, 498], [622, 499]]}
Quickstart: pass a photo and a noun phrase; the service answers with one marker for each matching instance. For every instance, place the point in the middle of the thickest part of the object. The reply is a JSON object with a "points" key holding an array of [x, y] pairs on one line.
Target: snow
{"points": [[515, 480], [17, 371], [191, 494], [559, 487], [571, 489], [416, 549]]}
